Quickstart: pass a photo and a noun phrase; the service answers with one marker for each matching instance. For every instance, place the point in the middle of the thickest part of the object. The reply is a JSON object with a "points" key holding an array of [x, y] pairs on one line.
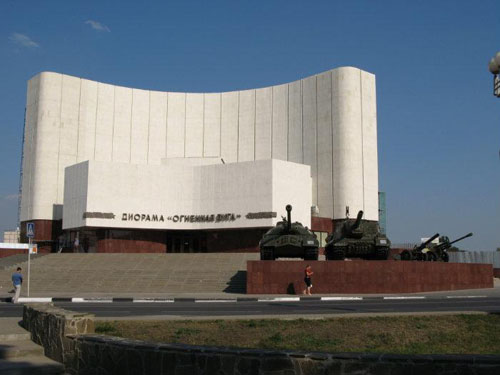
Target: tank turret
{"points": [[289, 240], [357, 239]]}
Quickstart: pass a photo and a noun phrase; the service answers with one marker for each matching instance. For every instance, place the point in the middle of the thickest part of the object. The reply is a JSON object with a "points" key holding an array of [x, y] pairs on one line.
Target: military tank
{"points": [[354, 238], [289, 240]]}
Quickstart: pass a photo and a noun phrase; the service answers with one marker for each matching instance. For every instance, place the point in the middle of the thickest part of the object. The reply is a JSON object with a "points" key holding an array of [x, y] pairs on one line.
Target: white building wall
{"points": [[157, 127], [194, 125], [237, 189], [263, 122], [348, 144], [327, 121]]}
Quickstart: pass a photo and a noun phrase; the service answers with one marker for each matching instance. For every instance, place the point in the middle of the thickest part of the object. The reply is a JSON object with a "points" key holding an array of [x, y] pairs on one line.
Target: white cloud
{"points": [[23, 40], [11, 197], [97, 26]]}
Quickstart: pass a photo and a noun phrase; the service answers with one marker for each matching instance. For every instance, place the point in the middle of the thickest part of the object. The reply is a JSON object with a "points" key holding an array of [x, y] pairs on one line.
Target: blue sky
{"points": [[438, 122]]}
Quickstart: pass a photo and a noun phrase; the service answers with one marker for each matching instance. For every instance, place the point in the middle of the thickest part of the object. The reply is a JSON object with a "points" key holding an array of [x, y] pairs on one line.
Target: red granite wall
{"points": [[46, 233], [8, 252], [235, 240], [280, 277], [136, 241], [321, 224]]}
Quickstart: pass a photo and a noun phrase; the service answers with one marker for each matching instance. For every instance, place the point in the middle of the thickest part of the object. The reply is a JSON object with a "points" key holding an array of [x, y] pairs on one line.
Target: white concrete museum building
{"points": [[132, 170]]}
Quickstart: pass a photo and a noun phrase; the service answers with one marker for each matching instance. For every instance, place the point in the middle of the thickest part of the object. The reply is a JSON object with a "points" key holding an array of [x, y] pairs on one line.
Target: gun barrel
{"points": [[358, 220], [288, 217], [461, 238], [424, 244]]}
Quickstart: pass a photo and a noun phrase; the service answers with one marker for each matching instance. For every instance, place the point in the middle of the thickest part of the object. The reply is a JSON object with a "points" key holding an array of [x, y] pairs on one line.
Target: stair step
{"points": [[31, 365], [16, 349]]}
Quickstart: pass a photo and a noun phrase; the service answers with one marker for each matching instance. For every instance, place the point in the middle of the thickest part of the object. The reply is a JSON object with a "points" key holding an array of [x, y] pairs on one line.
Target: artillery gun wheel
{"points": [[431, 256], [405, 255], [422, 257], [445, 257]]}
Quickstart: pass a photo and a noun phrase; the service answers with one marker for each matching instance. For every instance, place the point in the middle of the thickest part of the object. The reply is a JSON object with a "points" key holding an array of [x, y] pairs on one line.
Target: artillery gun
{"points": [[357, 239], [440, 251], [419, 252], [289, 240], [427, 251]]}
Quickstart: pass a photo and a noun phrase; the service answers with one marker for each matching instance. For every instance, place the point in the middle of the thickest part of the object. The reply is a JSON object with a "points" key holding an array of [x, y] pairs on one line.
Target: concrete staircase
{"points": [[139, 274], [19, 355]]}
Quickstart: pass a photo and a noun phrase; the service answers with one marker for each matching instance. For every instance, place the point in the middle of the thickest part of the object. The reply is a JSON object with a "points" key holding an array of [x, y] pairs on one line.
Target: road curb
{"points": [[225, 300]]}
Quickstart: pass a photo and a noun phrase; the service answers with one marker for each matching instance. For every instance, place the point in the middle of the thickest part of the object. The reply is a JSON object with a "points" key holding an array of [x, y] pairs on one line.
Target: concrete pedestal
{"points": [[360, 277]]}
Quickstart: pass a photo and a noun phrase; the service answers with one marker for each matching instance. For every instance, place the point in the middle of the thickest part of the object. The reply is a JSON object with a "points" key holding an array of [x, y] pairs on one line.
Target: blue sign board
{"points": [[30, 230]]}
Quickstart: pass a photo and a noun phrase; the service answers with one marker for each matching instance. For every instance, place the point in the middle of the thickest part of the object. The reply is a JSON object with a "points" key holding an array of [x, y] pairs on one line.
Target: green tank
{"points": [[355, 238], [289, 240]]}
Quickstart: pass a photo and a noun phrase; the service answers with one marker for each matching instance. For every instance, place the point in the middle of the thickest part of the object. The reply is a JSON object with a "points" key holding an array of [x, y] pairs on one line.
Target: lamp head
{"points": [[493, 66]]}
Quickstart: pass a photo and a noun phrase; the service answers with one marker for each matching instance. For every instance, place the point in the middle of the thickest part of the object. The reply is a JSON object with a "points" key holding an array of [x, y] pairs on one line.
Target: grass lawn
{"points": [[443, 334]]}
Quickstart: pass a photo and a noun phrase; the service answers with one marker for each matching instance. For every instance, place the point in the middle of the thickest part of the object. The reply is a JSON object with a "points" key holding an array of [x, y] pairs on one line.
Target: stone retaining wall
{"points": [[67, 338]]}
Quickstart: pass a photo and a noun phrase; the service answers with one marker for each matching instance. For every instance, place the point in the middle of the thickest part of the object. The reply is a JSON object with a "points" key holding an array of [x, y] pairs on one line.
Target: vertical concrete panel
{"points": [[140, 127], [370, 156], [29, 147], [309, 132], [68, 133], [194, 125], [263, 123], [295, 122], [211, 129], [122, 124], [347, 142], [46, 142], [86, 128], [157, 127], [176, 123], [325, 193], [229, 126], [280, 122], [246, 133], [104, 122]]}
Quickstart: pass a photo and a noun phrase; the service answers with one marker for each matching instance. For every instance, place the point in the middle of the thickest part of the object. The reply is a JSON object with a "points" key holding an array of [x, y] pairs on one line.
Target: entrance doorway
{"points": [[186, 242]]}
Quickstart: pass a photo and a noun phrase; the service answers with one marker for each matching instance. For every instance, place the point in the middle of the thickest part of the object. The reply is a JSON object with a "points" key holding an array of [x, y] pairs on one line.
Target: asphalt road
{"points": [[307, 308]]}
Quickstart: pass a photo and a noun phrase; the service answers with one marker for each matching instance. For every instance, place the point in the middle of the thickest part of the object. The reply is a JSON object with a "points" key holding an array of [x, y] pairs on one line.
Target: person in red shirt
{"points": [[307, 279]]}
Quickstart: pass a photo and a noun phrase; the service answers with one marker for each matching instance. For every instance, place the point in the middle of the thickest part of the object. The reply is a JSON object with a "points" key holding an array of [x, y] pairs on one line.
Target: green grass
{"points": [[443, 334]]}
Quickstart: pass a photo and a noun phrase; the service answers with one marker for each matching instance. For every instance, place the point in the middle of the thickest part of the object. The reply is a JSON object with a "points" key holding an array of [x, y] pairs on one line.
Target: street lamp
{"points": [[494, 67]]}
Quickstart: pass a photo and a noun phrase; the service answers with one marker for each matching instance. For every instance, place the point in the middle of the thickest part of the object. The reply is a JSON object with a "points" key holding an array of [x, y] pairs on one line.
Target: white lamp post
{"points": [[494, 67]]}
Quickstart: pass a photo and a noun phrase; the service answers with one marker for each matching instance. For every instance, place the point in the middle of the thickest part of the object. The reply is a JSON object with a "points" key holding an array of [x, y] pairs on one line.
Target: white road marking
{"points": [[341, 298], [278, 299]]}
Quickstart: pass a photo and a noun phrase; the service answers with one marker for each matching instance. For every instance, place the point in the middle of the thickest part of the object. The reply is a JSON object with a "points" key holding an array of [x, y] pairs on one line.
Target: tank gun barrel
{"points": [[423, 245], [356, 224], [288, 217]]}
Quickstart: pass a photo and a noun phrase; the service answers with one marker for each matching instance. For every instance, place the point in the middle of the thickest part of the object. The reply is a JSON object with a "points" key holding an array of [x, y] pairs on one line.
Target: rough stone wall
{"points": [[97, 354], [67, 337], [50, 325]]}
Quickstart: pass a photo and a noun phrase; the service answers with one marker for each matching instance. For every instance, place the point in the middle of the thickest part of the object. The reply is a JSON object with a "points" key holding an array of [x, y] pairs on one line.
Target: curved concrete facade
{"points": [[327, 121]]}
